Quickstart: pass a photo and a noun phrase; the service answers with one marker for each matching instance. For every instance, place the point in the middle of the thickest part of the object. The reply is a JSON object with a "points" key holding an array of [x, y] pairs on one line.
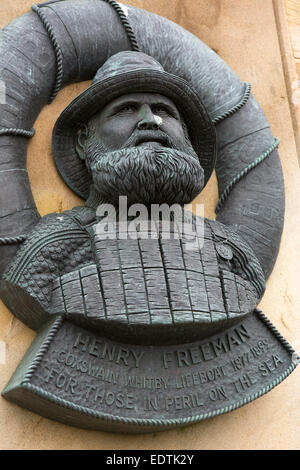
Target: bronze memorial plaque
{"points": [[146, 314]]}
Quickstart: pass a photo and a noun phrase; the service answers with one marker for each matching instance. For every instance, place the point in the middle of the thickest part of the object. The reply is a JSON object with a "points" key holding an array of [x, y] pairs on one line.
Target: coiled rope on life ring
{"points": [[244, 172], [58, 80], [17, 132], [57, 49], [58, 56], [134, 45]]}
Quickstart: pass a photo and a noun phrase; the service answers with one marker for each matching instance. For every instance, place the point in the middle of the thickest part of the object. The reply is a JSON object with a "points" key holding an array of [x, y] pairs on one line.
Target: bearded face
{"points": [[142, 151], [145, 174]]}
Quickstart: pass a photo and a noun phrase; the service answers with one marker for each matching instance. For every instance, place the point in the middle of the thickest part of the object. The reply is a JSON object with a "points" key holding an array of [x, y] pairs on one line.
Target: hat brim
{"points": [[201, 129]]}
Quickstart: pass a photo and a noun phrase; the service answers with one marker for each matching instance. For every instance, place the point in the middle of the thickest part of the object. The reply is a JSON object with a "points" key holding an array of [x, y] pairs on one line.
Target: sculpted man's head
{"points": [[137, 131], [138, 146]]}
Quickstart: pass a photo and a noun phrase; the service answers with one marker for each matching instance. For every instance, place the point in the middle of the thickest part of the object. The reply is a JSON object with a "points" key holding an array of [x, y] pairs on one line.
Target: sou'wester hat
{"points": [[123, 73]]}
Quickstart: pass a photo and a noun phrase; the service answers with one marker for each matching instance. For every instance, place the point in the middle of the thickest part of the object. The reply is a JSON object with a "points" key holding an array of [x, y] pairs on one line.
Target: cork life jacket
{"points": [[134, 289]]}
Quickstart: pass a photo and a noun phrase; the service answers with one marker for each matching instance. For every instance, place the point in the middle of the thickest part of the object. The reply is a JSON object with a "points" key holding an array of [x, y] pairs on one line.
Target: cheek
{"points": [[174, 130], [115, 133]]}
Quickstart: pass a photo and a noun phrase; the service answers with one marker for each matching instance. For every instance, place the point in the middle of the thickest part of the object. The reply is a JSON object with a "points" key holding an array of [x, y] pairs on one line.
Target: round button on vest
{"points": [[224, 251]]}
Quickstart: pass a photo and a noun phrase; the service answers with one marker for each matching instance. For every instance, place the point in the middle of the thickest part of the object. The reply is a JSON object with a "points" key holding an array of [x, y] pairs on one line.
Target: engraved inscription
{"points": [[88, 367], [206, 351], [269, 365], [153, 383], [181, 402], [109, 377], [244, 382], [104, 350], [241, 361], [103, 397], [199, 377], [217, 393], [266, 212], [62, 380]]}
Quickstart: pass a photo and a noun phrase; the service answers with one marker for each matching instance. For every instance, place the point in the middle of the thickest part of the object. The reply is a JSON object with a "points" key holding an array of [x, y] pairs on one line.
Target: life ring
{"points": [[49, 52], [44, 50]]}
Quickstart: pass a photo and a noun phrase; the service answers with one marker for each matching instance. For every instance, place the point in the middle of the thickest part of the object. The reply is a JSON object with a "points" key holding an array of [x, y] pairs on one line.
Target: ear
{"points": [[80, 143]]}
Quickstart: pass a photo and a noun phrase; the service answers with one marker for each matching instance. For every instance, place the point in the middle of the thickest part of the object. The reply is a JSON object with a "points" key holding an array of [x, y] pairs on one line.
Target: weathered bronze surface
{"points": [[82, 378], [147, 328]]}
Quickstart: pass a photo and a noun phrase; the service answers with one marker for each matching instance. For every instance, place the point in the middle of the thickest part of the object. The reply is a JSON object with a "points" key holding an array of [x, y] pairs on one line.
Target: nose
{"points": [[147, 120]]}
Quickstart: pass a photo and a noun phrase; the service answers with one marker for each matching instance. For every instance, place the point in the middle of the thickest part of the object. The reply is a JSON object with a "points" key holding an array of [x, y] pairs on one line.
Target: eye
{"points": [[126, 108], [160, 109], [163, 110]]}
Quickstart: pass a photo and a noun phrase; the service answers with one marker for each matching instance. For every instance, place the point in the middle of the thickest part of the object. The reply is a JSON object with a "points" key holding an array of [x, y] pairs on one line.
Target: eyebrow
{"points": [[170, 106], [114, 107]]}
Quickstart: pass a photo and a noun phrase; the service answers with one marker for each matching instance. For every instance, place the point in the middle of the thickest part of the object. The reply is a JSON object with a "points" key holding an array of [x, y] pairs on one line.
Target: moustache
{"points": [[142, 136]]}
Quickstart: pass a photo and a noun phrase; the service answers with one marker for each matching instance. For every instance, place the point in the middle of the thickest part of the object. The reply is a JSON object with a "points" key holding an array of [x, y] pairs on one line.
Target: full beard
{"points": [[145, 174]]}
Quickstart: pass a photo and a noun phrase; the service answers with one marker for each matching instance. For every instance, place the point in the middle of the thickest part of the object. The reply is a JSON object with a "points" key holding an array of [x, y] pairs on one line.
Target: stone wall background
{"points": [[248, 36]]}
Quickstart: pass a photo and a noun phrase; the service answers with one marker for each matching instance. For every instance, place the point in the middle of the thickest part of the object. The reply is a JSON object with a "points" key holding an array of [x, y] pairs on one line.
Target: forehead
{"points": [[140, 99]]}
